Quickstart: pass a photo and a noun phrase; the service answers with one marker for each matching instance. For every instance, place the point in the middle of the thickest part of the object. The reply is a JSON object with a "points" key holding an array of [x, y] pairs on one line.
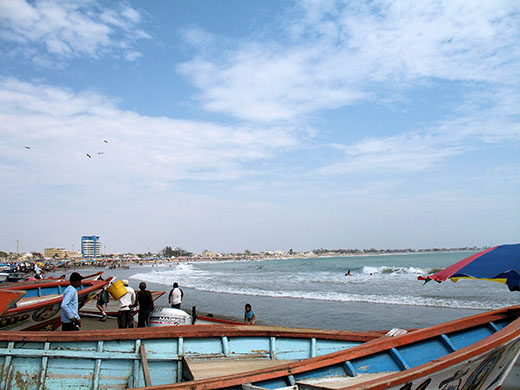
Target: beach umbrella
{"points": [[499, 264]]}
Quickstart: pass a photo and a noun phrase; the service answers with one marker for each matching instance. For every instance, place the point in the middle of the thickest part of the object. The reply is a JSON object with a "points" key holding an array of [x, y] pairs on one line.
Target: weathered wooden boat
{"points": [[8, 299], [8, 285], [40, 306], [15, 276], [3, 276], [121, 358], [476, 352]]}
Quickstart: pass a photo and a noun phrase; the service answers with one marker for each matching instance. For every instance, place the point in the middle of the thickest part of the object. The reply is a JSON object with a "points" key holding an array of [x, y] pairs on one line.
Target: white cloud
{"points": [[489, 117], [62, 126], [132, 55], [335, 52], [269, 85], [454, 40], [70, 28], [402, 154]]}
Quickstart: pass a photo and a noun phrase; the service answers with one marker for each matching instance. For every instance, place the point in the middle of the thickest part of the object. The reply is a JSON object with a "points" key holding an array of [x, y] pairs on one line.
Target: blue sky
{"points": [[259, 125]]}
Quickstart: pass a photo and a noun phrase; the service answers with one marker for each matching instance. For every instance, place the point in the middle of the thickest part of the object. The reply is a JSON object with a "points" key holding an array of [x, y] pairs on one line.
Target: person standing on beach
{"points": [[249, 315], [126, 302], [37, 271], [102, 300], [176, 296], [145, 301], [69, 305]]}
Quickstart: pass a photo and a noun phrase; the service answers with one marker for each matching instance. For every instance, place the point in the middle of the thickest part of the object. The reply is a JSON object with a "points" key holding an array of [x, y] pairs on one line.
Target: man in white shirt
{"points": [[124, 315], [175, 297]]}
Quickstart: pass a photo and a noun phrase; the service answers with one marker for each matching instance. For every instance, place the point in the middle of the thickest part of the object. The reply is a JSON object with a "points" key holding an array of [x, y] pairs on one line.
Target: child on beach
{"points": [[102, 300], [249, 315]]}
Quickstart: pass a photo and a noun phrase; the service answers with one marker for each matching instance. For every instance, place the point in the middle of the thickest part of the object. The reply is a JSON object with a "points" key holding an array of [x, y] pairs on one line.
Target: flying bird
{"points": [[27, 147], [105, 141], [100, 152], [89, 156]]}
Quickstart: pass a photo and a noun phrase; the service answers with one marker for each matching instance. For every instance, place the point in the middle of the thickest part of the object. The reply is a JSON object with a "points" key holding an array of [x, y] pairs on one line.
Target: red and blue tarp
{"points": [[499, 264]]}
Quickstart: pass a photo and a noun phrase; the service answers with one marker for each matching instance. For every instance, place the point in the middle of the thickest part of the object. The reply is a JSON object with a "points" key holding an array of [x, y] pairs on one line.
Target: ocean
{"points": [[382, 292]]}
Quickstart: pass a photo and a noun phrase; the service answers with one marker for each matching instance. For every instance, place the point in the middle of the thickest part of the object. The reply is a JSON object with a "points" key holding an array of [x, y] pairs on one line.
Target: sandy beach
{"points": [[91, 323]]}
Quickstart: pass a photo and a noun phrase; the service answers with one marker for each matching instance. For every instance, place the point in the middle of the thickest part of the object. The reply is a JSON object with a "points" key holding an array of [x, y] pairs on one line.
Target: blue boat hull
{"points": [[476, 352], [126, 358]]}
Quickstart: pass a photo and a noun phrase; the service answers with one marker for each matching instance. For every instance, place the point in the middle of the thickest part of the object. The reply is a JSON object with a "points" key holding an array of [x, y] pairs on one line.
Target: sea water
{"points": [[381, 292]]}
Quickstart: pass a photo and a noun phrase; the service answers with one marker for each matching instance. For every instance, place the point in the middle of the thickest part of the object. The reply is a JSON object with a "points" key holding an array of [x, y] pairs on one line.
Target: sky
{"points": [[259, 125]]}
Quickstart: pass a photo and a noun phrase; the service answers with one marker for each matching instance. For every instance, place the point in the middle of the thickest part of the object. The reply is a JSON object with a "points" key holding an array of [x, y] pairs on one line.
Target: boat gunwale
{"points": [[93, 285], [190, 331], [498, 338]]}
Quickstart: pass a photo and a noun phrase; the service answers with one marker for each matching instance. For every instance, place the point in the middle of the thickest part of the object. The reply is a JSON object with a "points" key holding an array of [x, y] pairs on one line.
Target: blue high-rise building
{"points": [[90, 246]]}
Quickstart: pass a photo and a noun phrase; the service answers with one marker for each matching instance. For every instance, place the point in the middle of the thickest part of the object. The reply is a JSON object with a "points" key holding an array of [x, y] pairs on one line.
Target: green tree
{"points": [[167, 251], [179, 252]]}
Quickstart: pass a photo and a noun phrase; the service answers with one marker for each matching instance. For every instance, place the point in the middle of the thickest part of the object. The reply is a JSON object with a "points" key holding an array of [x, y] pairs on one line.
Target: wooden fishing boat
{"points": [[8, 285], [8, 299], [40, 306], [15, 276], [120, 358], [476, 352]]}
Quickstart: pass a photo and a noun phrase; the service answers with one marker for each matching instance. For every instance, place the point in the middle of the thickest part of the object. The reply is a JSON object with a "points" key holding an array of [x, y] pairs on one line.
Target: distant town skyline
{"points": [[259, 125], [103, 252]]}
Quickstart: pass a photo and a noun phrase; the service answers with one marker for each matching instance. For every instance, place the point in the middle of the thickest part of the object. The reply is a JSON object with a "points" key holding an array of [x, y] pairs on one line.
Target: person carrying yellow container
{"points": [[126, 302]]}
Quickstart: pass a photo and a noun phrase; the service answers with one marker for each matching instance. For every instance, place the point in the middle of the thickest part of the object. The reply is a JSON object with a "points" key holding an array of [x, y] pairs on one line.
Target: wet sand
{"points": [[89, 323]]}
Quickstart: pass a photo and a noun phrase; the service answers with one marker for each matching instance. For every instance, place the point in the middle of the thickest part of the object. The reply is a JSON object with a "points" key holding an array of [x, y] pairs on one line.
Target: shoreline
{"points": [[305, 313], [115, 259], [274, 312]]}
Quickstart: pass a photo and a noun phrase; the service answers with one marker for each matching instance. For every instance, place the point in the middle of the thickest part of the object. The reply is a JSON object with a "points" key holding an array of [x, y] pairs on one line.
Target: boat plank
{"points": [[144, 362], [208, 368], [337, 382]]}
